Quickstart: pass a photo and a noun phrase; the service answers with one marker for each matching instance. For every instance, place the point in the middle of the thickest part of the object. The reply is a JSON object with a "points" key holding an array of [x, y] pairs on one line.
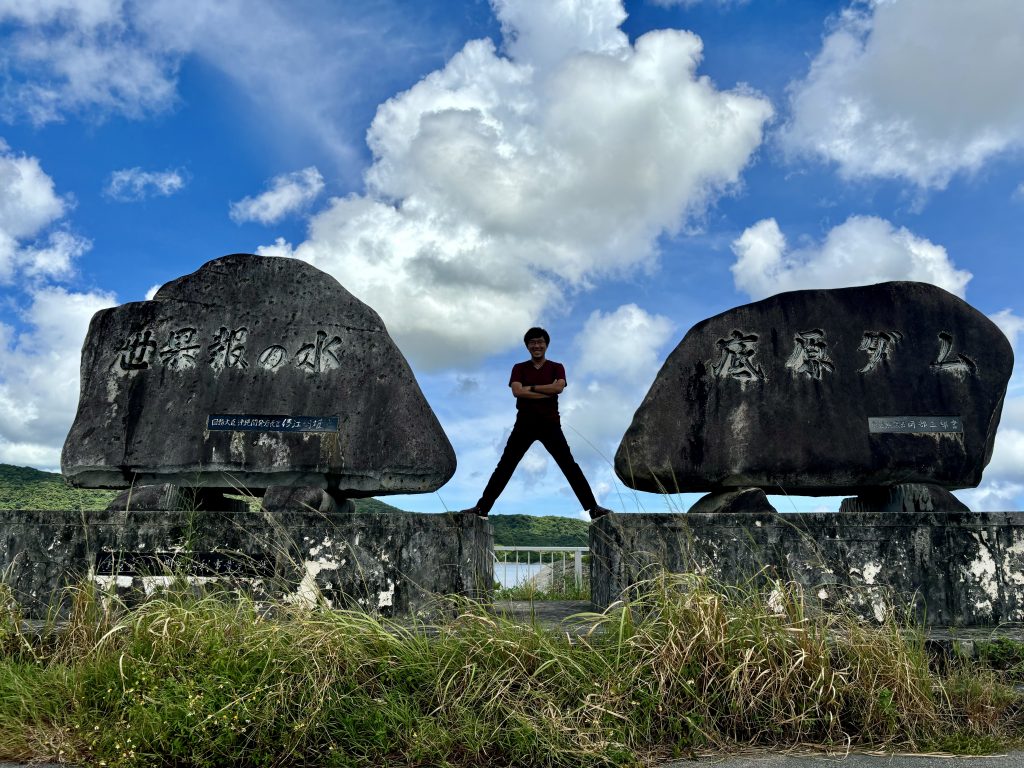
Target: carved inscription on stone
{"points": [[320, 355], [879, 346], [179, 353], [810, 354], [273, 357], [228, 348], [736, 358], [950, 361], [137, 351]]}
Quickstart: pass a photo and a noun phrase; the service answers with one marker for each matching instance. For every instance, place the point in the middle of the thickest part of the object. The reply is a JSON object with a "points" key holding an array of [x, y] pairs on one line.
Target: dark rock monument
{"points": [[252, 371], [261, 375], [890, 393], [825, 392]]}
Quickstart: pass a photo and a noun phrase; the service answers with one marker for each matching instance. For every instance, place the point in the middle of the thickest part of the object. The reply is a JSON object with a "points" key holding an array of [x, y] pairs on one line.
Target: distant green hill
{"points": [[527, 530], [28, 488]]}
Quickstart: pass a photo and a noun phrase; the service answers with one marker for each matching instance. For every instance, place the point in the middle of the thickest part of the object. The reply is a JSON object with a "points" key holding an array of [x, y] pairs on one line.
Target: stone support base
{"points": [[386, 563], [951, 568]]}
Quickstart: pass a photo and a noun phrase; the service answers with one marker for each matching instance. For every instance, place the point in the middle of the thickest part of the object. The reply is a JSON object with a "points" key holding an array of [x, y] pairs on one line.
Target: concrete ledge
{"points": [[952, 568], [389, 563]]}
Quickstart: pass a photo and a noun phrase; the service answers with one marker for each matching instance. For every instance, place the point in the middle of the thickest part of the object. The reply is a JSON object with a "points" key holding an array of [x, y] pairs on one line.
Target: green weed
{"points": [[189, 679]]}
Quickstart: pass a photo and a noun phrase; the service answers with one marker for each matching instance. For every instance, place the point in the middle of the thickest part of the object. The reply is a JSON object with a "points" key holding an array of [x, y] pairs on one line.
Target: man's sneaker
{"points": [[474, 510], [599, 511]]}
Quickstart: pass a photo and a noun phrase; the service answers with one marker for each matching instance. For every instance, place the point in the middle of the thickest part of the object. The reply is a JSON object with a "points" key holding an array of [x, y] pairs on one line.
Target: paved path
{"points": [[1009, 760]]}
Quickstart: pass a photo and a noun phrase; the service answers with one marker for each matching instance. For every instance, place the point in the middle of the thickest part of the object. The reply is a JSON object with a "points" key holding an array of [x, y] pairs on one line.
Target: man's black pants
{"points": [[527, 429]]}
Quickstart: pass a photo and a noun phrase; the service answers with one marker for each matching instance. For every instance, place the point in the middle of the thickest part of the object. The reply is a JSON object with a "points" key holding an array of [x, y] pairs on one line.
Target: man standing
{"points": [[536, 384]]}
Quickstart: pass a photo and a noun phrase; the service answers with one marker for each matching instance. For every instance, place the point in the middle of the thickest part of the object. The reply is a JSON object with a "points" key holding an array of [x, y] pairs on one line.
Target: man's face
{"points": [[537, 348]]}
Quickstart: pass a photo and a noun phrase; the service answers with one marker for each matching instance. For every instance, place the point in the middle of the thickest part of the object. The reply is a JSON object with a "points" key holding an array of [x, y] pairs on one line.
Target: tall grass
{"points": [[688, 665]]}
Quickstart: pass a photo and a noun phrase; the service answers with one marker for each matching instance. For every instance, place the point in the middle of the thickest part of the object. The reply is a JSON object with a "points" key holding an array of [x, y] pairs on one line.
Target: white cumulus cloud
{"points": [[285, 194], [620, 353], [502, 182], [78, 55], [860, 251], [1010, 324], [914, 89], [29, 209], [39, 374], [133, 184]]}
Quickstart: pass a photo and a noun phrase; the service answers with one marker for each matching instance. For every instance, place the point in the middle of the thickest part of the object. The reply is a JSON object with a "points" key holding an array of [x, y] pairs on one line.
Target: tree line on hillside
{"points": [[27, 488]]}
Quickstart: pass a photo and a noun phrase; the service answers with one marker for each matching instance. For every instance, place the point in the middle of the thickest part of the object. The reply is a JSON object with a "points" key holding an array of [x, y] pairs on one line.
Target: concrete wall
{"points": [[390, 563], [955, 569]]}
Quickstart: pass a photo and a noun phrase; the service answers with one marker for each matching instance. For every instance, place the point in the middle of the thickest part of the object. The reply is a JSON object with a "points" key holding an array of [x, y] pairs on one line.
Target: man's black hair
{"points": [[536, 333]]}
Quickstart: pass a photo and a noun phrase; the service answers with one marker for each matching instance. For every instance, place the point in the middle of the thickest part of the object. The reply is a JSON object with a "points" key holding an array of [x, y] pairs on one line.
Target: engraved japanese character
{"points": [[179, 353], [810, 355], [321, 355], [273, 357], [137, 351], [735, 358], [228, 347], [879, 345], [948, 361]]}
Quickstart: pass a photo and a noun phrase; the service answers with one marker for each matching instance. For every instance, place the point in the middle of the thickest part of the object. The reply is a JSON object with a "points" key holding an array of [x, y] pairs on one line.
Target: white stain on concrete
{"points": [[387, 597], [871, 570], [315, 550], [236, 449], [983, 573], [278, 448], [879, 609], [307, 593], [1014, 553]]}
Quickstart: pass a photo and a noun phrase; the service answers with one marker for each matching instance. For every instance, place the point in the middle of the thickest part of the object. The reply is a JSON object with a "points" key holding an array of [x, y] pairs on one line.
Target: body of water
{"points": [[509, 574]]}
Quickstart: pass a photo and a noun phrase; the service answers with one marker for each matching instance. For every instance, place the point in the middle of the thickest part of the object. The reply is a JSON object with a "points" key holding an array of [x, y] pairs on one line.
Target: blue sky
{"points": [[615, 173]]}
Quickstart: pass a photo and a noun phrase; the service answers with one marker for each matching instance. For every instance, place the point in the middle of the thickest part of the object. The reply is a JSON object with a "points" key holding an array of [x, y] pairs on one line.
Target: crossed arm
{"points": [[538, 391]]}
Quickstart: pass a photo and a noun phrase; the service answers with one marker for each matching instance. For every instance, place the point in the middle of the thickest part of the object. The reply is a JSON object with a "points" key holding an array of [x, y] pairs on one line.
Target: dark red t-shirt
{"points": [[526, 374]]}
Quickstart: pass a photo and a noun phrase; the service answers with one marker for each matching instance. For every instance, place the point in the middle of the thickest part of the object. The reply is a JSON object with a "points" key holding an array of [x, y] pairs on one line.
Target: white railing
{"points": [[527, 556]]}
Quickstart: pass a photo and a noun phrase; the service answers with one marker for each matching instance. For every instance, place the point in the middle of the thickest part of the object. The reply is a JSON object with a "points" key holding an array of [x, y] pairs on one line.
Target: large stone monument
{"points": [[890, 393], [824, 392], [252, 372], [257, 375]]}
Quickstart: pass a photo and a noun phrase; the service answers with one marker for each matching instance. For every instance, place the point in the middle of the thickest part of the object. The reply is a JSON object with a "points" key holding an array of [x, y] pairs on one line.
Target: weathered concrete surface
{"points": [[911, 497], [954, 569], [391, 563], [252, 336], [824, 392]]}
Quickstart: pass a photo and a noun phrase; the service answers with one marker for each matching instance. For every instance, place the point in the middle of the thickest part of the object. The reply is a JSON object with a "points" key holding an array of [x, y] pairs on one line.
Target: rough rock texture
{"points": [[167, 496], [252, 336], [911, 497], [387, 563], [743, 500], [954, 569], [824, 392], [283, 497]]}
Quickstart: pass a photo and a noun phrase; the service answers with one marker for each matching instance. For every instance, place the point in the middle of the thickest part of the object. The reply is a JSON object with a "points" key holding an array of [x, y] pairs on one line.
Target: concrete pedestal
{"points": [[952, 568], [388, 563]]}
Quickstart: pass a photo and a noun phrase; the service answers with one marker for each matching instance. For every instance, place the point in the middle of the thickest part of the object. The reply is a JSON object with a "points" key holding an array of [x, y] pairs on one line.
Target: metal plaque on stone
{"points": [[260, 423], [914, 424]]}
